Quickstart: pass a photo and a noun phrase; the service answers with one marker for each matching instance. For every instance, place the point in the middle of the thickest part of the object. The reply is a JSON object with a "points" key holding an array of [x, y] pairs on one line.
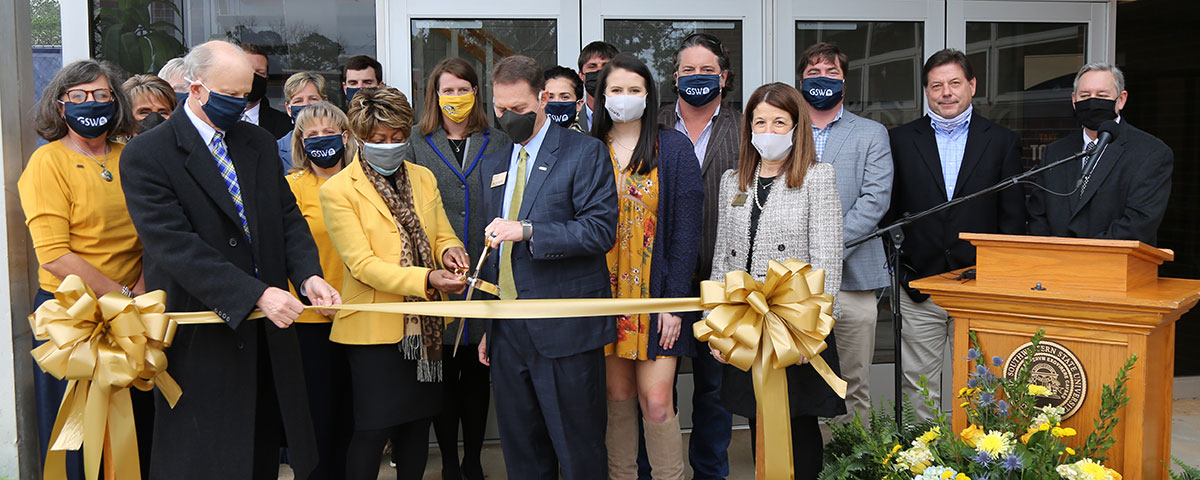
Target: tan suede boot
{"points": [[621, 439], [664, 446]]}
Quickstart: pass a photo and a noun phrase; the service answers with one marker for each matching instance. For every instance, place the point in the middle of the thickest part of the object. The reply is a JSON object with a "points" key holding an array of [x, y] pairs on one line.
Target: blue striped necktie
{"points": [[229, 175]]}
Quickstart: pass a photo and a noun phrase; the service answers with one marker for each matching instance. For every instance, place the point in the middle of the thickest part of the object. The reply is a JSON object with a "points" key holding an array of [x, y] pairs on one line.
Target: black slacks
{"points": [[807, 447], [467, 397]]}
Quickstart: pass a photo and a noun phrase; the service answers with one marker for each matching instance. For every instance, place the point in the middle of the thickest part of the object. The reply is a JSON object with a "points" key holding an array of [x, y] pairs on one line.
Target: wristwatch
{"points": [[526, 230]]}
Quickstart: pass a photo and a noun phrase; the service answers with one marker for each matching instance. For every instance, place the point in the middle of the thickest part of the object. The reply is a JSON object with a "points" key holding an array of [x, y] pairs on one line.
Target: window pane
{"points": [[481, 43], [298, 35], [883, 82], [655, 42], [1024, 78]]}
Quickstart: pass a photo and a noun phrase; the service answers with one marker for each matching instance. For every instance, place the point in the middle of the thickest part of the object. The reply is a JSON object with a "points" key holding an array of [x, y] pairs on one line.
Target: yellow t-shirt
{"points": [[306, 186], [69, 208]]}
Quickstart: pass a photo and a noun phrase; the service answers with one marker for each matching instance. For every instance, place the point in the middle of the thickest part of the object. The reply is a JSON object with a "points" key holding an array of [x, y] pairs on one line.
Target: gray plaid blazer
{"points": [[861, 153]]}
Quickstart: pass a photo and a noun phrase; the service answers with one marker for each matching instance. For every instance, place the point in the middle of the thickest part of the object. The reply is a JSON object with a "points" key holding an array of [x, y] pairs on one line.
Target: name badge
{"points": [[499, 178], [739, 200]]}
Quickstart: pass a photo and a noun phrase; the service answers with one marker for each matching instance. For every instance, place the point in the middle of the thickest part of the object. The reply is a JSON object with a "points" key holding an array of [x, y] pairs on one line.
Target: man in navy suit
{"points": [[555, 206]]}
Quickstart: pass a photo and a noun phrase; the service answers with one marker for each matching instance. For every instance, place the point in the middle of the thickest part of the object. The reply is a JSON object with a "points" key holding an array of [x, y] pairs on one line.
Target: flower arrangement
{"points": [[1008, 437]]}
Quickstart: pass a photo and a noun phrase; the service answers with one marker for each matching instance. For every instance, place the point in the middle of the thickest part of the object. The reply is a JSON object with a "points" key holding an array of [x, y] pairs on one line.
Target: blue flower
{"points": [[983, 458], [1002, 408], [972, 354], [981, 370], [1013, 462], [982, 476], [997, 361], [972, 382], [985, 398]]}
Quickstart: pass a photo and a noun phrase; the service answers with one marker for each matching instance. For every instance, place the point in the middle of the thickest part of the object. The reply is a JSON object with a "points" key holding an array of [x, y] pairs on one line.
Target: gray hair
{"points": [[202, 57], [1102, 67], [172, 68], [49, 122]]}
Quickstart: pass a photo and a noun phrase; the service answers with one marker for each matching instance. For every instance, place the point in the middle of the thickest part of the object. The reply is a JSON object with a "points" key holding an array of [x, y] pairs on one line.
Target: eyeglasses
{"points": [[79, 95]]}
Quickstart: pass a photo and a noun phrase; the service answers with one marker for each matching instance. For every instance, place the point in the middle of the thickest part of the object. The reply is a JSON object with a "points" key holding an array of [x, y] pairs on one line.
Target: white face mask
{"points": [[772, 146], [625, 108]]}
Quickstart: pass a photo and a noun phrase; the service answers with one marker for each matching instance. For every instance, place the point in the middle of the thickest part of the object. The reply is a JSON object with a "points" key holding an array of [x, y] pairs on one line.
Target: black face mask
{"points": [[152, 120], [590, 81], [258, 89], [518, 126], [1094, 111]]}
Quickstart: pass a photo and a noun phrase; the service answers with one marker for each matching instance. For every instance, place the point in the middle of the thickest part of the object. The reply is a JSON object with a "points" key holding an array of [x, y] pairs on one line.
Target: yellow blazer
{"points": [[368, 240]]}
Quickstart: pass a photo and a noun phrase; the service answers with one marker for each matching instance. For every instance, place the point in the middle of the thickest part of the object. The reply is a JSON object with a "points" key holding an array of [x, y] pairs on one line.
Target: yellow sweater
{"points": [[306, 187], [69, 208]]}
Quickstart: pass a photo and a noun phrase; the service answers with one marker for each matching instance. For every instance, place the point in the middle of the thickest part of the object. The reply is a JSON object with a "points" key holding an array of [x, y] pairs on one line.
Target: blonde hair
{"points": [[298, 81], [380, 106], [300, 159], [144, 84]]}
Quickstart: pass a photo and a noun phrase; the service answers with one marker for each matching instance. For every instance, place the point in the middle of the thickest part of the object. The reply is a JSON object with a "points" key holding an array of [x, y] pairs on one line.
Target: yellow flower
{"points": [[1025, 437], [1038, 390], [964, 404], [962, 476], [962, 392], [896, 448], [971, 435], [947, 475], [1043, 427], [1070, 451], [995, 444], [931, 435]]}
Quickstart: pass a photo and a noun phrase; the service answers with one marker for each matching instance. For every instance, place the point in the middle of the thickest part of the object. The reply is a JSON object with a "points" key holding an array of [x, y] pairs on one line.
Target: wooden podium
{"points": [[1099, 301]]}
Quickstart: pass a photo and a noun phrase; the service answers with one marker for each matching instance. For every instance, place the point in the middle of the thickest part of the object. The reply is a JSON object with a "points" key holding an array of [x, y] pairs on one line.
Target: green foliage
{"points": [[46, 28], [1114, 397], [1186, 472], [1008, 436], [127, 37]]}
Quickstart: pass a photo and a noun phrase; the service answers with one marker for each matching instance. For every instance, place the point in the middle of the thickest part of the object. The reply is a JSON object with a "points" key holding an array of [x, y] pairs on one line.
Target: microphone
{"points": [[1105, 135]]}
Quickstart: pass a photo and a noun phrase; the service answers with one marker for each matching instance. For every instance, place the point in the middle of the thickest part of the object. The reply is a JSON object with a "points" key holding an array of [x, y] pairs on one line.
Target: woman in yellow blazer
{"points": [[320, 145], [385, 217]]}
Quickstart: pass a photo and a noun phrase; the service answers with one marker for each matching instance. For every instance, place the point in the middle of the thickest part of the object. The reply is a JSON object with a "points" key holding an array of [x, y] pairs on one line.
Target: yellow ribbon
{"points": [[104, 346], [764, 327]]}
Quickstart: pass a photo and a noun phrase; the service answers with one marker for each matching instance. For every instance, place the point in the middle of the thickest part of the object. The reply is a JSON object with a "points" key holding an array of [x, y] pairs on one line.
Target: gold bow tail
{"points": [[764, 327], [102, 347]]}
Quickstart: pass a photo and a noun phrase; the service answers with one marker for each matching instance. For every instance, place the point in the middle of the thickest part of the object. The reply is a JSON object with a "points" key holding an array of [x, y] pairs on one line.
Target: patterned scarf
{"points": [[422, 334]]}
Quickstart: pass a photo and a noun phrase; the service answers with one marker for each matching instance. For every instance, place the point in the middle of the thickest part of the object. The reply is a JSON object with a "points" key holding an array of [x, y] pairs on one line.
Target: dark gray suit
{"points": [[548, 375], [1125, 198]]}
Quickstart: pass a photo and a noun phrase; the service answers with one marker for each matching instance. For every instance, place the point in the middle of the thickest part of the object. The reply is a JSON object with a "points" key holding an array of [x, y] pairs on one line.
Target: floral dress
{"points": [[629, 260]]}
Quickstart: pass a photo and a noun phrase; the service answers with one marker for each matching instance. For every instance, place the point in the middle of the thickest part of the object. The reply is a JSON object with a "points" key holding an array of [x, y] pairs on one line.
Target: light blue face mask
{"points": [[386, 158]]}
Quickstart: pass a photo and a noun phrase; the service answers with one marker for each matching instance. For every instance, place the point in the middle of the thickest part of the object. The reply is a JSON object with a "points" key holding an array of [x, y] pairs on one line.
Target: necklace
{"points": [[104, 173], [757, 169], [622, 145], [457, 144]]}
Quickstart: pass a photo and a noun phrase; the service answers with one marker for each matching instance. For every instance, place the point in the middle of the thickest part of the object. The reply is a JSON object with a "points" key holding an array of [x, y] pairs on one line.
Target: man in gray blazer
{"points": [[714, 130], [861, 155]]}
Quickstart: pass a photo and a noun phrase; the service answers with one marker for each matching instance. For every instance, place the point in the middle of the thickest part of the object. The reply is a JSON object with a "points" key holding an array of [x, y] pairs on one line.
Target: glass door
{"points": [[415, 36], [1026, 55], [653, 31], [886, 42]]}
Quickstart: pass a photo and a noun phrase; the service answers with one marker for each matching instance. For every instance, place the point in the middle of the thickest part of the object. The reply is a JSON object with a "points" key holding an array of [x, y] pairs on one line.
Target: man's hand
{"points": [[669, 327], [483, 358], [456, 259], [280, 306], [322, 294], [446, 282], [501, 230]]}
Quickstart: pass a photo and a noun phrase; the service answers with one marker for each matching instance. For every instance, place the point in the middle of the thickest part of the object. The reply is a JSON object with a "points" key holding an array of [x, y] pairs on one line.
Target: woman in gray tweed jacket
{"points": [[781, 203]]}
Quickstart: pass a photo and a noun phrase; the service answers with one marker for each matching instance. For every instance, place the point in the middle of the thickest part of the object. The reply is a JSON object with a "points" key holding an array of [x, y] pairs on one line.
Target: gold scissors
{"points": [[472, 281]]}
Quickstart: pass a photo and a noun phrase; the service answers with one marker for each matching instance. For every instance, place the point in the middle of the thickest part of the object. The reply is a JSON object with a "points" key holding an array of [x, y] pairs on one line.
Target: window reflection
{"points": [[299, 35], [1025, 73], [481, 43], [883, 82], [655, 42]]}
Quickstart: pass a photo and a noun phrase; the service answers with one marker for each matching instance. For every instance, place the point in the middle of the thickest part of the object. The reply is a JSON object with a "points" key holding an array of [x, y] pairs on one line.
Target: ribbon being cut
{"points": [[104, 346]]}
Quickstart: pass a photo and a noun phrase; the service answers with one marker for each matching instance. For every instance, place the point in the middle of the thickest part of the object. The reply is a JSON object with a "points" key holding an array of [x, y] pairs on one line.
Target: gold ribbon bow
{"points": [[764, 327], [102, 347]]}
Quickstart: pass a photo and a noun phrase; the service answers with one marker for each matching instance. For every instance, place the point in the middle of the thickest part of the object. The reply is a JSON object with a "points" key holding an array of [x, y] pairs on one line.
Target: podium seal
{"points": [[1056, 368]]}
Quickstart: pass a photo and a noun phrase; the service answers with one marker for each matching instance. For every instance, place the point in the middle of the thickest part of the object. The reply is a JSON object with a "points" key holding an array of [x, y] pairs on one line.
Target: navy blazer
{"points": [[571, 200], [1125, 199], [677, 234]]}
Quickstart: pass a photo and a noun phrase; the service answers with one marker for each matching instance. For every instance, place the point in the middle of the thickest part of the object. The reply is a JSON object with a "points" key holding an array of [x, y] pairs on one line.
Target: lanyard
{"points": [[462, 176]]}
